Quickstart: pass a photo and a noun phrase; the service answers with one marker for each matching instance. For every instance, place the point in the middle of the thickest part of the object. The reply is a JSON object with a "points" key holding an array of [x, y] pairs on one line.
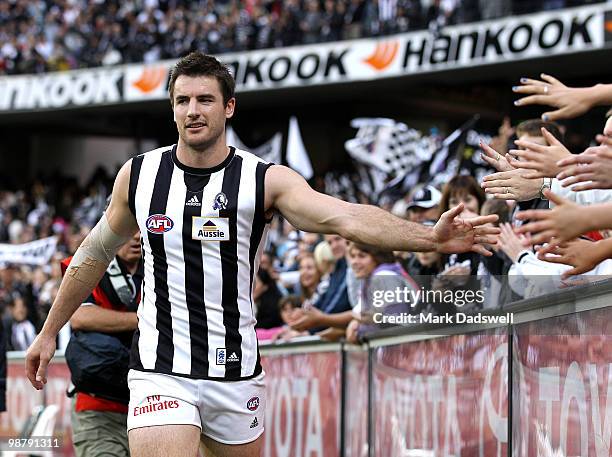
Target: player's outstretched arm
{"points": [[312, 211], [88, 265]]}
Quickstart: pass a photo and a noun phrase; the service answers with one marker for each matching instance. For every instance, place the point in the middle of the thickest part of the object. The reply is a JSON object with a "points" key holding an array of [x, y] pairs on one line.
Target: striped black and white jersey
{"points": [[202, 232]]}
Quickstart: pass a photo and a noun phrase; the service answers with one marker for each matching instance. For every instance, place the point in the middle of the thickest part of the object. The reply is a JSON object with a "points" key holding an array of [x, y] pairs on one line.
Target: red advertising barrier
{"points": [[302, 404], [302, 413], [441, 397], [438, 397], [22, 398], [356, 408], [563, 372]]}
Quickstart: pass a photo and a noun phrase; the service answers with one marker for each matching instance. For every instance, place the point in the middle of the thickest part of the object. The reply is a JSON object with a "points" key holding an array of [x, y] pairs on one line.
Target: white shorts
{"points": [[231, 412]]}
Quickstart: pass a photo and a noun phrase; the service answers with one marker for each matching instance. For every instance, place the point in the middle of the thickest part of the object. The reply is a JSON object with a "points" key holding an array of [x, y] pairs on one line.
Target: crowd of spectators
{"points": [[48, 35], [325, 286], [51, 207]]}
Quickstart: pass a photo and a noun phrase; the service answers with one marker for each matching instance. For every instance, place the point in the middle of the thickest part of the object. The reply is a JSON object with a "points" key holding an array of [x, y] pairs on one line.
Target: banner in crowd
{"points": [[462, 46], [302, 404], [563, 385], [391, 158], [442, 397], [37, 252]]}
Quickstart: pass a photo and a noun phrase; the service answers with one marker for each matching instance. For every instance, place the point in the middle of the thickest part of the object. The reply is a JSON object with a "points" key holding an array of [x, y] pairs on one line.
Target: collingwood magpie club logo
{"points": [[220, 201], [193, 201]]}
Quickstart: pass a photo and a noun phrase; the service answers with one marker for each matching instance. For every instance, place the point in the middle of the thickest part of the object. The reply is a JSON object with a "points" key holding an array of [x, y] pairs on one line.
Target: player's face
{"points": [[199, 111]]}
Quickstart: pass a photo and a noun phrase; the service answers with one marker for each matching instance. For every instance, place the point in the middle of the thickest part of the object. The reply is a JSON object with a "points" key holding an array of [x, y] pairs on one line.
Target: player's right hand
{"points": [[38, 356]]}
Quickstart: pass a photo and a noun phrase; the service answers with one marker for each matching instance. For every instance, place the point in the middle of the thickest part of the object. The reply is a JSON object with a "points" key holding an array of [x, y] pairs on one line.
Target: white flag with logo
{"points": [[389, 146], [270, 151], [37, 252], [297, 157]]}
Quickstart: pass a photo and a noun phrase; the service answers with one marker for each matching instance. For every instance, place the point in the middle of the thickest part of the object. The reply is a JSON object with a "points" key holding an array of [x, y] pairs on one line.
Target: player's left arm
{"points": [[311, 211]]}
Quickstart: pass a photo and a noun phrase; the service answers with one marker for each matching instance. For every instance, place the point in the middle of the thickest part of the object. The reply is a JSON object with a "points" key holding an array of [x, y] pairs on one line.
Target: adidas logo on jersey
{"points": [[233, 358], [254, 423], [193, 201]]}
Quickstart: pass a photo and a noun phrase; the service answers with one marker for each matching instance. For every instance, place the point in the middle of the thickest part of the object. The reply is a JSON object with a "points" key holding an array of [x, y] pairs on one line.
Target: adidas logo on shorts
{"points": [[233, 358], [254, 423], [193, 201]]}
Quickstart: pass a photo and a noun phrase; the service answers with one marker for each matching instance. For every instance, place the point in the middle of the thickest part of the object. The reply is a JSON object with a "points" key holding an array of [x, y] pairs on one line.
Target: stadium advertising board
{"points": [[22, 400], [356, 406], [462, 46], [302, 404], [444, 396], [563, 372]]}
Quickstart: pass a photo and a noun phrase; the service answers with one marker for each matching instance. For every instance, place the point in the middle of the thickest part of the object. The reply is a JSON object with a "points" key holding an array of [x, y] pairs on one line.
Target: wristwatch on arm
{"points": [[546, 184]]}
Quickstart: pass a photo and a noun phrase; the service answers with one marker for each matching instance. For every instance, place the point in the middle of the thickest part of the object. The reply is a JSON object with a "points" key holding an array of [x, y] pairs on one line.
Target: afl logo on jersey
{"points": [[159, 223], [253, 404]]}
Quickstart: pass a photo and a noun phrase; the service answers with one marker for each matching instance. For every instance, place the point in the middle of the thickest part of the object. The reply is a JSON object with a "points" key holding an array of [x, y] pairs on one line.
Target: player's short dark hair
{"points": [[197, 63], [533, 127]]}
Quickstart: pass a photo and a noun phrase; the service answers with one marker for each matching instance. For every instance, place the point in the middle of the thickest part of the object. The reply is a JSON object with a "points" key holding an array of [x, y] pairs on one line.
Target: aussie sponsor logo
{"points": [[210, 229], [159, 223], [154, 403], [253, 404]]}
